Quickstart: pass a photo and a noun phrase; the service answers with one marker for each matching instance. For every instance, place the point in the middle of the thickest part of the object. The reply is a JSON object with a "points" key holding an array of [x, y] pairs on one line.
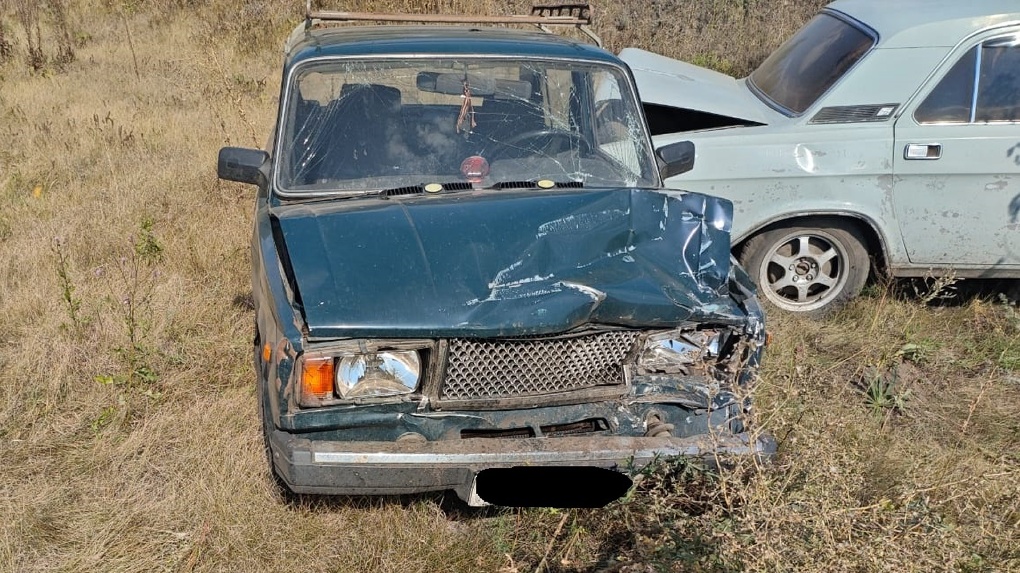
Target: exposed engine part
{"points": [[656, 428]]}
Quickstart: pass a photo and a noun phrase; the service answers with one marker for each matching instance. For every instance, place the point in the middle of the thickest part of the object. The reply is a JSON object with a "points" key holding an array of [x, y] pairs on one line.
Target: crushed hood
{"points": [[492, 263], [669, 82]]}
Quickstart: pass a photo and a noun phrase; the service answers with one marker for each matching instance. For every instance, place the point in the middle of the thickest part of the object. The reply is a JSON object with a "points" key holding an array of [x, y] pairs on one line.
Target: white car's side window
{"points": [[998, 93], [983, 86], [950, 101]]}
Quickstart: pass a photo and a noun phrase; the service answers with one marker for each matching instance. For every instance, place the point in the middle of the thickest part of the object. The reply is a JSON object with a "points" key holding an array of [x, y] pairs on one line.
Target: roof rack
{"points": [[576, 14]]}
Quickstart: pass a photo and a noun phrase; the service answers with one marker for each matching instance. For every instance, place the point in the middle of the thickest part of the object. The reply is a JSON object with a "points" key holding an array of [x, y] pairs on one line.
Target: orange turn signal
{"points": [[317, 378], [267, 352]]}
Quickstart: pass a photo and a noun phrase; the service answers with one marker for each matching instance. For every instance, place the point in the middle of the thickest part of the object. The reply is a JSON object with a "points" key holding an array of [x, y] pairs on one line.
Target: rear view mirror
{"points": [[675, 158], [452, 83], [242, 165]]}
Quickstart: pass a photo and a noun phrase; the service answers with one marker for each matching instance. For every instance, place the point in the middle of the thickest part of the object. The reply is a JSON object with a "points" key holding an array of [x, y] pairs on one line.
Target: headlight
{"points": [[672, 352], [377, 374]]}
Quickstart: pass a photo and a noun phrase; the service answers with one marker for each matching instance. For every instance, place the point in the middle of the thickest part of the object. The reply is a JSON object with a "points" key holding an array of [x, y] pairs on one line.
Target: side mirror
{"points": [[675, 158], [242, 165]]}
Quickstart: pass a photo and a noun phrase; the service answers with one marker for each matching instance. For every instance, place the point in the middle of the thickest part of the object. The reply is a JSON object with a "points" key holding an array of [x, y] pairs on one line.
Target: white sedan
{"points": [[875, 137]]}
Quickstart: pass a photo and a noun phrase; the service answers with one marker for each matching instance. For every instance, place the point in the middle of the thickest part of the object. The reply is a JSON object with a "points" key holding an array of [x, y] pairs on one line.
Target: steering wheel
{"points": [[516, 142]]}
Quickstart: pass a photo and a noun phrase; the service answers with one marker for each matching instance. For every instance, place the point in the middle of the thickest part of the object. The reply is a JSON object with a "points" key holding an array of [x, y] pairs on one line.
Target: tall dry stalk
{"points": [[27, 12], [6, 44], [58, 12]]}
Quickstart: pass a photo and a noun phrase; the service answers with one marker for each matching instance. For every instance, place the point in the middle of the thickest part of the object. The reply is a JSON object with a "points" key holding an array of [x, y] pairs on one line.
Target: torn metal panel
{"points": [[498, 264]]}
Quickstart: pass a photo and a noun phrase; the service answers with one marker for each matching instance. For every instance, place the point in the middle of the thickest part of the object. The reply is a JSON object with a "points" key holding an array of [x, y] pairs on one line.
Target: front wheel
{"points": [[811, 268]]}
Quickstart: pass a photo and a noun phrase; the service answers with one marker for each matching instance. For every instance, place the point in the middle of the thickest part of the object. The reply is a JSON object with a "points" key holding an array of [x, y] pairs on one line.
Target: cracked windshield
{"points": [[368, 126]]}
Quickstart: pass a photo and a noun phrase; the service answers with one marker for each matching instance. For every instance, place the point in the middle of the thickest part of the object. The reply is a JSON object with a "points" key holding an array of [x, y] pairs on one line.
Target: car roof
{"points": [[446, 40], [919, 23]]}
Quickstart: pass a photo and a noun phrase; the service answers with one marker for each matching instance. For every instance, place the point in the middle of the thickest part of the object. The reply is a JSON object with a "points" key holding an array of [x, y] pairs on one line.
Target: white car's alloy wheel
{"points": [[807, 269]]}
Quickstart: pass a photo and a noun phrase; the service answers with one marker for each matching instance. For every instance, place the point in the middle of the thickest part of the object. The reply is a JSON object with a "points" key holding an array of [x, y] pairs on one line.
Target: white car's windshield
{"points": [[810, 62], [366, 125]]}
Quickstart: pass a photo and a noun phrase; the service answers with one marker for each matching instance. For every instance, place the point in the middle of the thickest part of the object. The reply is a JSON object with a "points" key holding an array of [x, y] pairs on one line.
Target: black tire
{"points": [[811, 268]]}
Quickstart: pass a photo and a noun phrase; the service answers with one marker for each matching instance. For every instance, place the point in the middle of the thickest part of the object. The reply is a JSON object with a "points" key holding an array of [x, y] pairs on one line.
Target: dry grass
{"points": [[128, 432]]}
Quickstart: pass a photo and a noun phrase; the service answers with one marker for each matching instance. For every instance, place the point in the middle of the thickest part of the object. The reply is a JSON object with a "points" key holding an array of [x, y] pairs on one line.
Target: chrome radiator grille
{"points": [[481, 369]]}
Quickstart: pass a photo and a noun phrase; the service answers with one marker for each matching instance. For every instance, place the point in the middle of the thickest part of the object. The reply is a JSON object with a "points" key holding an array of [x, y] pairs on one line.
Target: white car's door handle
{"points": [[922, 151]]}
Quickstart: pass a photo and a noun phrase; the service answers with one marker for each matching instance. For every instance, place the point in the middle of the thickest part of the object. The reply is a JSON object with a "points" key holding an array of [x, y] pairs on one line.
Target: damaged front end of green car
{"points": [[467, 278]]}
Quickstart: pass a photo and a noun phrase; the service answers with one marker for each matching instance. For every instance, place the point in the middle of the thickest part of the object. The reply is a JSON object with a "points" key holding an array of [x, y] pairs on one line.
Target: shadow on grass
{"points": [[447, 501], [244, 301], [664, 522], [943, 292]]}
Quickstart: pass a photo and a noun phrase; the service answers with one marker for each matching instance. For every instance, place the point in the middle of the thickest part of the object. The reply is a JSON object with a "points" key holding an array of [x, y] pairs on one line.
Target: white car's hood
{"points": [[669, 82]]}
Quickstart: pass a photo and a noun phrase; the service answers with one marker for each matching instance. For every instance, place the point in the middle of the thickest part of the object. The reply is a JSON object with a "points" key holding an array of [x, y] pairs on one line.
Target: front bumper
{"points": [[380, 468]]}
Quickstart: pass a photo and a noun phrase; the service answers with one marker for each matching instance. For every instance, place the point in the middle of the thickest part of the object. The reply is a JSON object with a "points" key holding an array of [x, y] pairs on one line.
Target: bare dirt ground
{"points": [[129, 439]]}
